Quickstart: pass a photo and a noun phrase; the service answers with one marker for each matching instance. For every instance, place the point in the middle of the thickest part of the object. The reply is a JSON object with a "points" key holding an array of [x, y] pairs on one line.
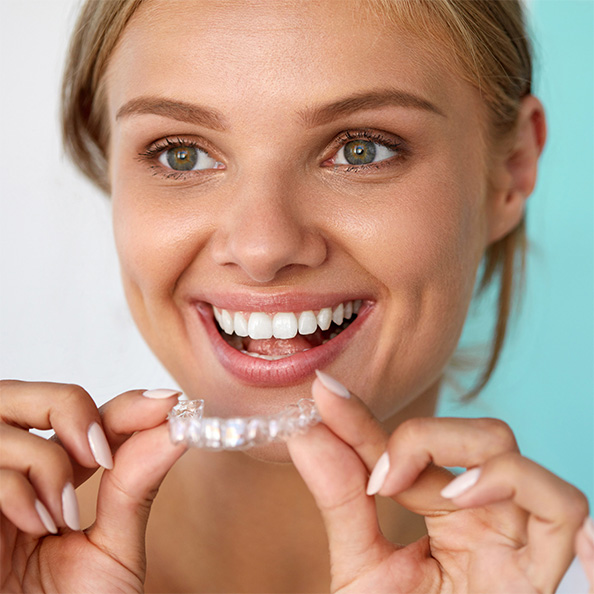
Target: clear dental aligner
{"points": [[187, 425]]}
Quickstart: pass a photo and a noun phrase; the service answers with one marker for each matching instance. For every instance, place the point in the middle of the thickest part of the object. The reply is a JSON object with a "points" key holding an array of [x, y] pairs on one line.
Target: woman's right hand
{"points": [[37, 477]]}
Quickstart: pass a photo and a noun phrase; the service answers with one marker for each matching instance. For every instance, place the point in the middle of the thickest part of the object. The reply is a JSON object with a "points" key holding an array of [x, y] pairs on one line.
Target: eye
{"points": [[187, 158], [362, 152]]}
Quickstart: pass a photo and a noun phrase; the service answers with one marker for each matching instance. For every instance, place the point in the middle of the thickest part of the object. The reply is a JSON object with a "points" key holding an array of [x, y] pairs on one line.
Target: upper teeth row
{"points": [[260, 325]]}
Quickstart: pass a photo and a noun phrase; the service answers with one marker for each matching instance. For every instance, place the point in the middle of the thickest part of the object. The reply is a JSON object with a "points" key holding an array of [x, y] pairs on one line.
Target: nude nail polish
{"points": [[461, 483], [331, 384], [70, 507], [45, 516], [160, 393], [378, 474], [99, 446]]}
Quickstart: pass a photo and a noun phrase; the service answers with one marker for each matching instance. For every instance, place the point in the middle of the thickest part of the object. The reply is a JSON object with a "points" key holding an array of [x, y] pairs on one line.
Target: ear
{"points": [[515, 171]]}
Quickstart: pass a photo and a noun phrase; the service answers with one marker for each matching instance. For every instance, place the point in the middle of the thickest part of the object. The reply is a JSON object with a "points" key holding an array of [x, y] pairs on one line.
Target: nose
{"points": [[267, 230]]}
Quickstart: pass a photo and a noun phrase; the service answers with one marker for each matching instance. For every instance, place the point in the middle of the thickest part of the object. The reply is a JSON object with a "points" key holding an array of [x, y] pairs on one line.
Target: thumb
{"points": [[337, 479], [126, 494]]}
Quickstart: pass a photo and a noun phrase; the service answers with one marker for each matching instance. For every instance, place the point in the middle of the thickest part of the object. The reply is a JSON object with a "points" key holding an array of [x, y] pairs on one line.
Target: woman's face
{"points": [[288, 157]]}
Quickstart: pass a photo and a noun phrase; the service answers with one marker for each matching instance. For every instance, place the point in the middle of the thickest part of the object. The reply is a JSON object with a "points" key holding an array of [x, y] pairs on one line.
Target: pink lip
{"points": [[283, 372], [274, 303]]}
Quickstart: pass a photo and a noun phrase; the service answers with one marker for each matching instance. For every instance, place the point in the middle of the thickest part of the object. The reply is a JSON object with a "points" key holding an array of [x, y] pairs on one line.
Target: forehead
{"points": [[271, 54]]}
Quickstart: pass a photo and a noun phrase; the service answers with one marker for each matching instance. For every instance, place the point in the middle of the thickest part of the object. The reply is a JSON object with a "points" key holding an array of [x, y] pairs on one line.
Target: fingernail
{"points": [[99, 446], [331, 384], [70, 507], [378, 474], [160, 393], [461, 483], [589, 529], [47, 520]]}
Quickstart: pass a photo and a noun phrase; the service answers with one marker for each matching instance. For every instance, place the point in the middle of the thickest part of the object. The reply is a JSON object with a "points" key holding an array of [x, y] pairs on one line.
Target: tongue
{"points": [[278, 347]]}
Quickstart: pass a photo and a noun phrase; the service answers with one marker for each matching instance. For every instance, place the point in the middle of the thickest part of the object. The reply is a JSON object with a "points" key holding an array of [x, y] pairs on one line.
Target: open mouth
{"points": [[275, 336]]}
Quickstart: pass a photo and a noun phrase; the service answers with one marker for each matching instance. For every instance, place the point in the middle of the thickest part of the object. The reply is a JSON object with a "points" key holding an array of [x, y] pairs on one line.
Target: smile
{"points": [[284, 344], [276, 336]]}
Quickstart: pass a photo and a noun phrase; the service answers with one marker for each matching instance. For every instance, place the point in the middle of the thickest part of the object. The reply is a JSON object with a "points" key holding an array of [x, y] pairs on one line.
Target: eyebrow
{"points": [[175, 110], [322, 114]]}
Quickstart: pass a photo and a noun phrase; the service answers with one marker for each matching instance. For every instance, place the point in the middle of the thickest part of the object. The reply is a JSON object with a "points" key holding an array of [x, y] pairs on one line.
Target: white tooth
{"points": [[338, 315], [284, 325], [226, 321], [333, 335], [217, 314], [348, 310], [357, 305], [259, 326], [307, 323], [325, 318], [240, 325]]}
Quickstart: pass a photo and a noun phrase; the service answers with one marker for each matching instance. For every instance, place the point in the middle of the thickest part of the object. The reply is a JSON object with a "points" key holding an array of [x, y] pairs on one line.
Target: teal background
{"points": [[544, 385]]}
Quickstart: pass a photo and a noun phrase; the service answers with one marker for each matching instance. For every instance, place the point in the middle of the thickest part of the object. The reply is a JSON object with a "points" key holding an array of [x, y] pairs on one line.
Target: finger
{"points": [[420, 448], [122, 416], [21, 506], [584, 546], [351, 420], [556, 510], [126, 493], [135, 410], [67, 409], [337, 479], [46, 466]]}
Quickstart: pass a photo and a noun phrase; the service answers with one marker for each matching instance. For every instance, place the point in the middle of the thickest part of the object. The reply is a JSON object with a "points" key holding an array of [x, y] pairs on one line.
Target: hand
{"points": [[37, 476], [511, 530]]}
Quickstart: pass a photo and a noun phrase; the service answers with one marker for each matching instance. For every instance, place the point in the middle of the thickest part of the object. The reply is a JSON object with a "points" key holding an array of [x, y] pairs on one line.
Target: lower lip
{"points": [[283, 372]]}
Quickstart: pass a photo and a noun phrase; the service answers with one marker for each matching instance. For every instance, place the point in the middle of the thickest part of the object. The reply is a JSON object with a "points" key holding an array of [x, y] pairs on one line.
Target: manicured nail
{"points": [[70, 507], [331, 384], [589, 529], [378, 474], [47, 520], [160, 393], [461, 483], [100, 447]]}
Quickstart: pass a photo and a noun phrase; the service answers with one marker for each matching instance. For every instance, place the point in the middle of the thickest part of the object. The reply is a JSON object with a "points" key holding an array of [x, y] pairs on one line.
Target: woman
{"points": [[275, 158]]}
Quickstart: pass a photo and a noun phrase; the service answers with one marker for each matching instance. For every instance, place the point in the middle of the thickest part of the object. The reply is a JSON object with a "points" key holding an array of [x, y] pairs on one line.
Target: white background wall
{"points": [[63, 316]]}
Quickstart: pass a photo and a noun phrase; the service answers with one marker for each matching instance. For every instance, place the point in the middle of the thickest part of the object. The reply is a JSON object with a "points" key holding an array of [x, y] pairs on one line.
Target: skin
{"points": [[279, 218]]}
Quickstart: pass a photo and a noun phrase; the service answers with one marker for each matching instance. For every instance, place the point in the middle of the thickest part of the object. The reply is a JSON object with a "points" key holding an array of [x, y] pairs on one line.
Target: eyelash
{"points": [[344, 138], [152, 153]]}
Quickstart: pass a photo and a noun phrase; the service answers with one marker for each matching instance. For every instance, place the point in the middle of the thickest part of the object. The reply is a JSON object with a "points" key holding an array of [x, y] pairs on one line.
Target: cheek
{"points": [[424, 250], [156, 240], [429, 234]]}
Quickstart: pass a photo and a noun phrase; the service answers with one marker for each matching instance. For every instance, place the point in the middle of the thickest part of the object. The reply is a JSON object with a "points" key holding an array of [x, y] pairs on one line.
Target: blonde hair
{"points": [[488, 45]]}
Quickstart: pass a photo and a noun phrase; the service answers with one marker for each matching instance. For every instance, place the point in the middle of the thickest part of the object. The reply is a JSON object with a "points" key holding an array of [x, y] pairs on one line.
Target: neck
{"points": [[227, 522]]}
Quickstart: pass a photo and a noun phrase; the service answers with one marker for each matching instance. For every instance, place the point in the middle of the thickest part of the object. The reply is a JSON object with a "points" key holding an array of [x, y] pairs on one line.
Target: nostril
{"points": [[264, 261]]}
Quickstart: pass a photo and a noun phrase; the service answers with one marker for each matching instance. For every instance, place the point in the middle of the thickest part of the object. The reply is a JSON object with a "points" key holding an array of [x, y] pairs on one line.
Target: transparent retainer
{"points": [[188, 425]]}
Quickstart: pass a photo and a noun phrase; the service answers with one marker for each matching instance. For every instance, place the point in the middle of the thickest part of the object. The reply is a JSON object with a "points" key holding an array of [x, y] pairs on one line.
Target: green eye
{"points": [[363, 152], [187, 158], [359, 152], [182, 158]]}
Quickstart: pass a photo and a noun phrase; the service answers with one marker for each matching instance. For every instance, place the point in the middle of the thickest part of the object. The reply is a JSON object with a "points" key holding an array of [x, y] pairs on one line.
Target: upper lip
{"points": [[289, 302]]}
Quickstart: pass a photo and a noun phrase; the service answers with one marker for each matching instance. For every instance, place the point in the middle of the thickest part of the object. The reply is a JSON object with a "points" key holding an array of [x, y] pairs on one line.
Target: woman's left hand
{"points": [[506, 525]]}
